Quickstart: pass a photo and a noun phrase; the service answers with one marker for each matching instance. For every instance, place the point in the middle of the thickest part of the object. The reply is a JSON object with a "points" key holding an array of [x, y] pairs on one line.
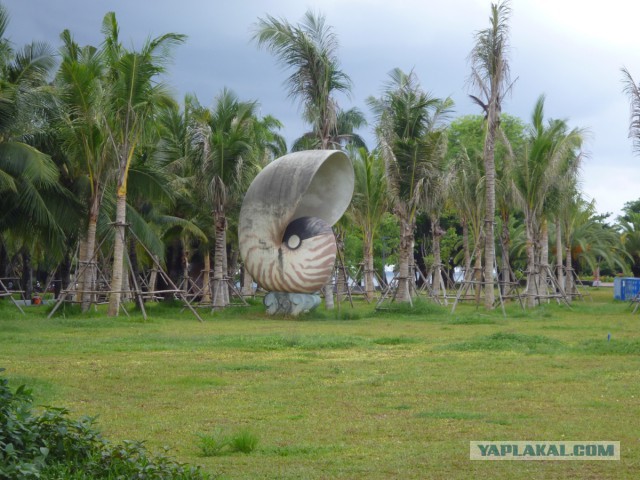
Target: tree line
{"points": [[104, 174]]}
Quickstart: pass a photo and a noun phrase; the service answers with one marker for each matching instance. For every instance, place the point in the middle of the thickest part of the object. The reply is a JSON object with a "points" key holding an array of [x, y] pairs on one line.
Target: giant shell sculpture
{"points": [[285, 234]]}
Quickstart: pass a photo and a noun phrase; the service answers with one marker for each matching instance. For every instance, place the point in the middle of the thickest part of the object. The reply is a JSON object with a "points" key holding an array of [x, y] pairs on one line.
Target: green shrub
{"points": [[50, 445]]}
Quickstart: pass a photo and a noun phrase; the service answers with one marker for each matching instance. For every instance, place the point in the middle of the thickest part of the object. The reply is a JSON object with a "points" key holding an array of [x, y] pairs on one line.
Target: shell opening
{"points": [[329, 193]]}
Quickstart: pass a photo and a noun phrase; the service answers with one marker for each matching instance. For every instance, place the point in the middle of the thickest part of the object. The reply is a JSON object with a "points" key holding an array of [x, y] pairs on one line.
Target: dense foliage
{"points": [[49, 444]]}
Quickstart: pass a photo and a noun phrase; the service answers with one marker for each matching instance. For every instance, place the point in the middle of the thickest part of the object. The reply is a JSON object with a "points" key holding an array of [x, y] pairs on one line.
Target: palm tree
{"points": [[437, 188], [466, 139], [490, 75], [409, 122], [310, 50], [348, 121], [29, 186], [84, 141], [223, 138], [370, 202], [633, 92], [547, 158], [134, 95]]}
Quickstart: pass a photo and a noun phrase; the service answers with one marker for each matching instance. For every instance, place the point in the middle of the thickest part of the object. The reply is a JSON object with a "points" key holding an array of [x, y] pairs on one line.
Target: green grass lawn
{"points": [[393, 394]]}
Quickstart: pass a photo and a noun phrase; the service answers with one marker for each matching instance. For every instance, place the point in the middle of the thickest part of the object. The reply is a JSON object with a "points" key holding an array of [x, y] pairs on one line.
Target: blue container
{"points": [[626, 288], [617, 288]]}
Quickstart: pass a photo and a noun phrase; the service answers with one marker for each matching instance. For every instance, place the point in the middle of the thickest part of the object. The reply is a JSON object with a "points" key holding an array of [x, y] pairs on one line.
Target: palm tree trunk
{"points": [[64, 274], [543, 275], [437, 281], [153, 277], [220, 300], [4, 260], [225, 266], [506, 263], [27, 273], [89, 264], [531, 290], [490, 204], [465, 247], [369, 287], [477, 271], [126, 283], [405, 256], [206, 272], [559, 264], [328, 295], [80, 273], [247, 283], [186, 278], [118, 255], [569, 288]]}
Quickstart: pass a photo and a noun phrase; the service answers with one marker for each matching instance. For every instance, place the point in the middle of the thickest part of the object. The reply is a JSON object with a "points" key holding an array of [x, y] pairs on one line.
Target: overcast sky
{"points": [[569, 50]]}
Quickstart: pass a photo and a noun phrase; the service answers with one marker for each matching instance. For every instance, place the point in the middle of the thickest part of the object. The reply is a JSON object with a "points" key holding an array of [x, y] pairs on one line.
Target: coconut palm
{"points": [[348, 121], [29, 188], [223, 138], [134, 95], [409, 123], [370, 202], [633, 92], [490, 75], [81, 127], [551, 150], [310, 50]]}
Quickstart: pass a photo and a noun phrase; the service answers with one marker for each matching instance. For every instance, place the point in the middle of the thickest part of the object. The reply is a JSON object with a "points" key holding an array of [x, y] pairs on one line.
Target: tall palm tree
{"points": [[437, 188], [29, 186], [83, 134], [134, 95], [490, 75], [466, 139], [309, 49], [409, 122], [633, 92], [370, 202], [551, 149], [223, 138]]}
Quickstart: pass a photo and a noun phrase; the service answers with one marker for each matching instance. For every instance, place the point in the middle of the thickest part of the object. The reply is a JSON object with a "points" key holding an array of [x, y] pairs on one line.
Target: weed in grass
{"points": [[213, 444], [244, 441]]}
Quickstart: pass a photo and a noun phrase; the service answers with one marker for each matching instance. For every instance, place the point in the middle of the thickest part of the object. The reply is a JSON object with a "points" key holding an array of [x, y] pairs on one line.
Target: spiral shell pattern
{"points": [[285, 234]]}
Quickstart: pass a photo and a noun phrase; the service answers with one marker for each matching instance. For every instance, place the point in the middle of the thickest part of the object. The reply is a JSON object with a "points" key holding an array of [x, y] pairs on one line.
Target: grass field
{"points": [[375, 395]]}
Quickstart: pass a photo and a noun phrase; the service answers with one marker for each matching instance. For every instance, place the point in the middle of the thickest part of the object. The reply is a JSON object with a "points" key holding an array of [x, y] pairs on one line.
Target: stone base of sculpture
{"points": [[293, 304]]}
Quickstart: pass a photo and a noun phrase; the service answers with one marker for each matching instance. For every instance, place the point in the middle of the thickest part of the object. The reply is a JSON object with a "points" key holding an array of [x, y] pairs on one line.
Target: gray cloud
{"points": [[555, 51]]}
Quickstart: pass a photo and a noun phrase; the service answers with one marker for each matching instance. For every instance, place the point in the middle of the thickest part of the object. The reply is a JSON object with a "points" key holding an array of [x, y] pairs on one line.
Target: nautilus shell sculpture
{"points": [[285, 234]]}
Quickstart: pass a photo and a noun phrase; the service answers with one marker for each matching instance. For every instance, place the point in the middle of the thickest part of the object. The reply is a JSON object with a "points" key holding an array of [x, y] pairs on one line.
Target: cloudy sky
{"points": [[570, 50]]}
